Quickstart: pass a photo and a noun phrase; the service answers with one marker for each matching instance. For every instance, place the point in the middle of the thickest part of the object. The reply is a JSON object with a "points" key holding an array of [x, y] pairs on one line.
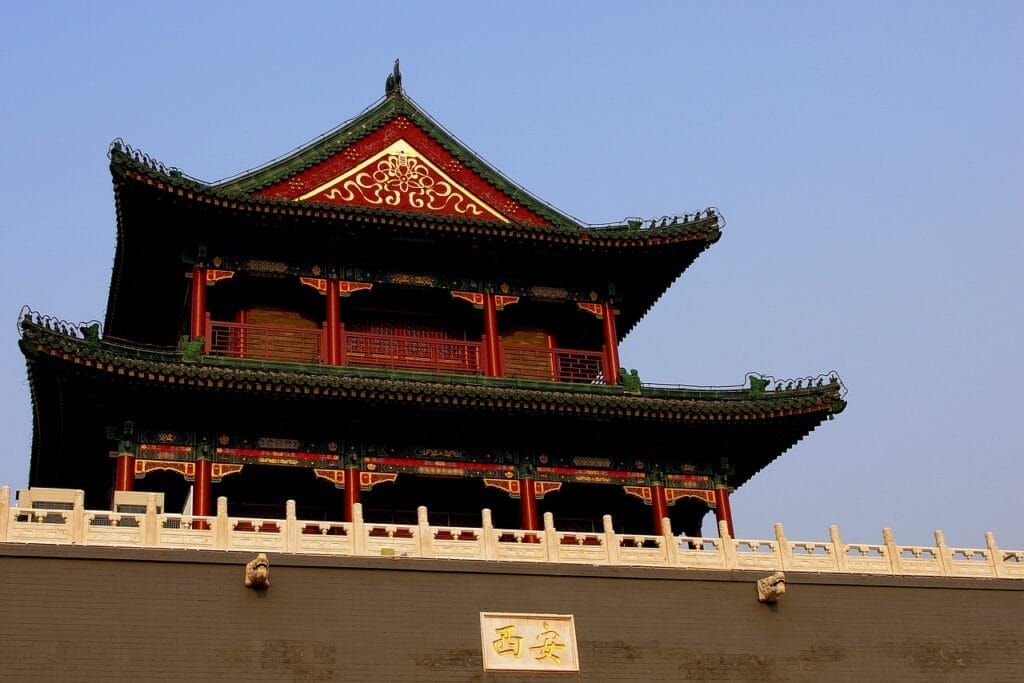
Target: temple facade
{"points": [[381, 318]]}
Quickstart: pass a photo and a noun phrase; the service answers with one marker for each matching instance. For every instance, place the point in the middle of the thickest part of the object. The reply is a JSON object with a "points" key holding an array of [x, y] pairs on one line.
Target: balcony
{"points": [[401, 350]]}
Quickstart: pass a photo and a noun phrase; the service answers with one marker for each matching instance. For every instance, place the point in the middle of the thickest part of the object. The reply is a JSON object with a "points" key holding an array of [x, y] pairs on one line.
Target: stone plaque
{"points": [[528, 642]]}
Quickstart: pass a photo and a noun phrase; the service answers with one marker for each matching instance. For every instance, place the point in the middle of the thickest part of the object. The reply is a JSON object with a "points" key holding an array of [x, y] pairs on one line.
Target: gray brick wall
{"points": [[87, 614]]}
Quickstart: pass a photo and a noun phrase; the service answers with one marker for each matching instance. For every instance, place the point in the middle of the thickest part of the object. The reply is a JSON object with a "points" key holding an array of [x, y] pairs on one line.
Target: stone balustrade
{"points": [[151, 529]]}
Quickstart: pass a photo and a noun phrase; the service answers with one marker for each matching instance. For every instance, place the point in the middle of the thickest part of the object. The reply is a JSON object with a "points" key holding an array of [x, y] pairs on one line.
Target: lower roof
{"points": [[82, 384]]}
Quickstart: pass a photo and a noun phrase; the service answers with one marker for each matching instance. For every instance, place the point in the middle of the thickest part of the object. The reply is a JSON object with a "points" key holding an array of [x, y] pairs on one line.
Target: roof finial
{"points": [[393, 84]]}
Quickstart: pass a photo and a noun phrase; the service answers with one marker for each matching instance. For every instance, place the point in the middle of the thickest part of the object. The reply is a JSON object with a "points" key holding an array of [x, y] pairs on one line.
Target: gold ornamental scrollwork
{"points": [[401, 177]]}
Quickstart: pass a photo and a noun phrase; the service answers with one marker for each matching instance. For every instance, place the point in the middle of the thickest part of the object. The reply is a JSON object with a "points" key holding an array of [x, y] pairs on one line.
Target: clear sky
{"points": [[867, 158]]}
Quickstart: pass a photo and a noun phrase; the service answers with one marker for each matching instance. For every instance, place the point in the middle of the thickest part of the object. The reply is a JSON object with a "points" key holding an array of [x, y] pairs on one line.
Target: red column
{"points": [[201, 490], [125, 479], [198, 318], [659, 506], [527, 504], [333, 356], [351, 490], [611, 346], [722, 510], [242, 317], [491, 333]]}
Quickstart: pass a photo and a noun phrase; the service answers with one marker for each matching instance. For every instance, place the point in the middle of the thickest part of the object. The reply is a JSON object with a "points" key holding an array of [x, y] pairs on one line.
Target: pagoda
{"points": [[383, 318]]}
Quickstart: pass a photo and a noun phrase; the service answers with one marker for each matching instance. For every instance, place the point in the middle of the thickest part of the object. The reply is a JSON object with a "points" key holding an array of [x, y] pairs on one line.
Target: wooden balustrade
{"points": [[275, 343]]}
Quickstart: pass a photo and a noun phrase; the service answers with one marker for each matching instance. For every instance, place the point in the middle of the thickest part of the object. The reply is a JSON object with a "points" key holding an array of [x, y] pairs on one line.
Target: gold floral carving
{"points": [[220, 470], [317, 283], [510, 487], [185, 469], [367, 480], [400, 177], [215, 276], [540, 488], [641, 492], [336, 477], [672, 495], [346, 287]]}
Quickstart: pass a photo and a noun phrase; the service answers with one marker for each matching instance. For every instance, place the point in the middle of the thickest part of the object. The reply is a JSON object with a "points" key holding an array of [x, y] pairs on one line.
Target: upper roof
{"points": [[390, 176]]}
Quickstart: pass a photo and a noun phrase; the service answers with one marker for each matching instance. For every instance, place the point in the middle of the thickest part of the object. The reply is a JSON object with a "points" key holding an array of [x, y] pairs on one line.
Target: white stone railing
{"points": [[78, 526]]}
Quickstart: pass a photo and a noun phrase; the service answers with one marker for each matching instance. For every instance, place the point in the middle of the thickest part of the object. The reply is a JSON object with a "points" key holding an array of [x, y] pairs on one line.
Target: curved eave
{"points": [[642, 262], [126, 169], [165, 368]]}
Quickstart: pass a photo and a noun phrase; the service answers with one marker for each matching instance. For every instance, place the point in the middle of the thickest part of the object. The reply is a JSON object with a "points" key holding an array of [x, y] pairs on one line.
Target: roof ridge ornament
{"points": [[393, 84]]}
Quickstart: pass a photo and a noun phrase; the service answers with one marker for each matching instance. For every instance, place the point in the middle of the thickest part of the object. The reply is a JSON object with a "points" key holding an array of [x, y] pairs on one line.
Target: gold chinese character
{"points": [[549, 643], [507, 644]]}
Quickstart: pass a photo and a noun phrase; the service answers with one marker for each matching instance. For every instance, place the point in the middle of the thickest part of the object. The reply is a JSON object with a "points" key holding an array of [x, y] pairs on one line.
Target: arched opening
{"points": [[581, 507], [450, 501], [261, 491]]}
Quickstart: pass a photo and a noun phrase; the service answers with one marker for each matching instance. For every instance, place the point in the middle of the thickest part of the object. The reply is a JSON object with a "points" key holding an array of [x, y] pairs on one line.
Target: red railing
{"points": [[264, 342], [269, 342], [553, 365], [400, 351]]}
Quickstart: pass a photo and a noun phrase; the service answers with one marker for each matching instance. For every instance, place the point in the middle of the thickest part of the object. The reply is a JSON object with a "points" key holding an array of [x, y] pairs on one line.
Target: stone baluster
{"points": [[838, 549], [489, 539], [358, 530], [291, 527], [782, 550], [5, 512], [77, 521], [728, 545], [550, 538], [671, 543], [995, 555], [222, 525], [892, 551], [611, 541], [151, 522], [945, 555], [424, 533]]}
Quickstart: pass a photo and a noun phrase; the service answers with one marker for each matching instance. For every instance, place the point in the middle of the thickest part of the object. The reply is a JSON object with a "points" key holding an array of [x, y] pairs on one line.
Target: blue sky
{"points": [[867, 158]]}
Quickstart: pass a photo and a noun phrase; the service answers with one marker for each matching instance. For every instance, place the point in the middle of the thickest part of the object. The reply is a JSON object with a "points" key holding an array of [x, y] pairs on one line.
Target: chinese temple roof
{"points": [[392, 175], [762, 423]]}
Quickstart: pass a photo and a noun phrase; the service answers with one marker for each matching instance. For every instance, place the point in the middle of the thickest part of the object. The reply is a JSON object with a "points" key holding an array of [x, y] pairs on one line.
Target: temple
{"points": [[381, 318], [359, 415]]}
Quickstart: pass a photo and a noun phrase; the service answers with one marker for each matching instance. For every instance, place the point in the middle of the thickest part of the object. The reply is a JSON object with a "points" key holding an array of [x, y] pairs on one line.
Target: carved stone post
{"points": [[424, 533], [291, 527], [490, 538], [838, 549], [994, 554], [5, 512], [358, 530]]}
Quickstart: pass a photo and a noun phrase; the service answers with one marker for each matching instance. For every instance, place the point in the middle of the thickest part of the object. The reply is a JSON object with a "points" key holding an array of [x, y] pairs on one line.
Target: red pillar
{"points": [[198, 317], [351, 491], [125, 479], [659, 506], [201, 490], [333, 355], [611, 346], [527, 504], [722, 510], [491, 333]]}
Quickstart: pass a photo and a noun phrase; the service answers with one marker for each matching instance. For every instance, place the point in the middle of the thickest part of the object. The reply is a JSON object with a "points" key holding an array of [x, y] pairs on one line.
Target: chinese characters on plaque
{"points": [[528, 642]]}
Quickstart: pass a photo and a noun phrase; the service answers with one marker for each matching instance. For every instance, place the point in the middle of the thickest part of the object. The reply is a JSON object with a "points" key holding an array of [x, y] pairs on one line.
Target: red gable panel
{"points": [[399, 167]]}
